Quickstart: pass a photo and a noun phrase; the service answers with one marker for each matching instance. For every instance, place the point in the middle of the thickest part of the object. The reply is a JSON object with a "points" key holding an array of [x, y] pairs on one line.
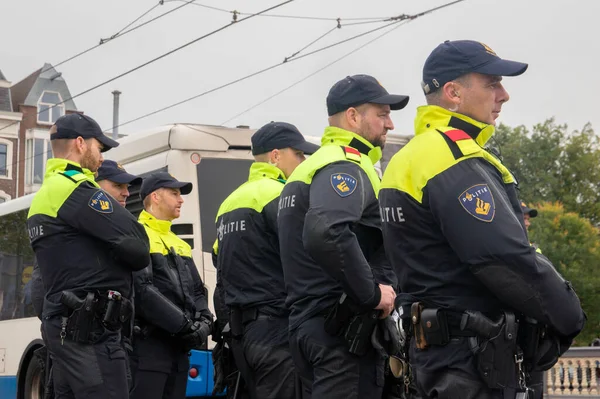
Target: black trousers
{"points": [[450, 372], [269, 368], [159, 368], [328, 371], [453, 384], [536, 382], [90, 371]]}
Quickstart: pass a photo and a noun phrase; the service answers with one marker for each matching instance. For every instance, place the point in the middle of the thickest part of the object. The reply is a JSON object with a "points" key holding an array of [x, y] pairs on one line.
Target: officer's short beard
{"points": [[367, 134], [88, 161]]}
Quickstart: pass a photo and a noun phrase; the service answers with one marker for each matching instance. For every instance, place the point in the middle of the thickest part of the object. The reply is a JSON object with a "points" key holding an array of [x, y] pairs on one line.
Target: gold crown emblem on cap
{"points": [[488, 49]]}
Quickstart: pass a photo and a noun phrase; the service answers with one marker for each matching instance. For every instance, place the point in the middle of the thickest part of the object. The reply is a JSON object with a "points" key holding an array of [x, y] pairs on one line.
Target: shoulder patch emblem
{"points": [[343, 184], [100, 202], [478, 201]]}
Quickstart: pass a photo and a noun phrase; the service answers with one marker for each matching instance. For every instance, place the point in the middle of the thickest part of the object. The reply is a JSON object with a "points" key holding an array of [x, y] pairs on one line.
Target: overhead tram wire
{"points": [[339, 26], [406, 20], [249, 76], [124, 32], [162, 56], [235, 12], [103, 41], [311, 43], [396, 21], [135, 20], [315, 72]]}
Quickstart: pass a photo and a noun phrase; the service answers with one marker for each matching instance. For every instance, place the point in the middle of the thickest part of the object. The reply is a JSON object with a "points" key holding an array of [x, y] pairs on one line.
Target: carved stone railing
{"points": [[576, 374]]}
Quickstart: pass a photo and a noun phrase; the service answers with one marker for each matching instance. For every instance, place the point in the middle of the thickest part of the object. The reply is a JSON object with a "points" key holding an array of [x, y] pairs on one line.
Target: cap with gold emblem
{"points": [[453, 59], [110, 170], [163, 180], [356, 90]]}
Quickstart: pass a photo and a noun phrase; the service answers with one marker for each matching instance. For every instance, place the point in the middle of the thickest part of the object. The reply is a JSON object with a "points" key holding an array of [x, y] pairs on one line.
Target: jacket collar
{"points": [[434, 117], [337, 136], [59, 165], [262, 170], [162, 226]]}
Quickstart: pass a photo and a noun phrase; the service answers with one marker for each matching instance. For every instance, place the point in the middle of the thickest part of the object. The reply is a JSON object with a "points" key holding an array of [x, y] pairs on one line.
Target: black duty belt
{"points": [[453, 320]]}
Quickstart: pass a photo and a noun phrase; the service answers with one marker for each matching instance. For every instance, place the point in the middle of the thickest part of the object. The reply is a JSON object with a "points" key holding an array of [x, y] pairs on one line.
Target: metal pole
{"points": [[115, 132]]}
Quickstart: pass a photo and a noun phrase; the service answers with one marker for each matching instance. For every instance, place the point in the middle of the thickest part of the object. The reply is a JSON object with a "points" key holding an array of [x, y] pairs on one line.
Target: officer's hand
{"points": [[386, 304], [196, 335]]}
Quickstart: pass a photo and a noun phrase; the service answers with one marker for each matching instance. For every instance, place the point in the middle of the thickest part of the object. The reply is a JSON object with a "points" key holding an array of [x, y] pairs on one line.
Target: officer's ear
{"points": [[80, 144], [353, 116], [451, 91], [275, 156]]}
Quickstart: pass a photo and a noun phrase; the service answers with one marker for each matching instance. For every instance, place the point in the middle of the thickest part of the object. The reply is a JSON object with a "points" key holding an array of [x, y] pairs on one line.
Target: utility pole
{"points": [[115, 132]]}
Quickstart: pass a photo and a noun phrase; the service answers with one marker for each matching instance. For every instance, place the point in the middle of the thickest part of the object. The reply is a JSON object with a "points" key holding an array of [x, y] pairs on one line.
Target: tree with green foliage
{"points": [[552, 164], [573, 246]]}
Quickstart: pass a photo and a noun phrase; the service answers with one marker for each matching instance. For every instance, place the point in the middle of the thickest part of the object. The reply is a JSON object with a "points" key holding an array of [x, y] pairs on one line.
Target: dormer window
{"points": [[48, 111]]}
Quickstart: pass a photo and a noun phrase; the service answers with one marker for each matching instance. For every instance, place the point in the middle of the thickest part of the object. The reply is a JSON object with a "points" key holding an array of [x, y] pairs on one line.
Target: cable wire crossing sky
{"points": [[191, 61]]}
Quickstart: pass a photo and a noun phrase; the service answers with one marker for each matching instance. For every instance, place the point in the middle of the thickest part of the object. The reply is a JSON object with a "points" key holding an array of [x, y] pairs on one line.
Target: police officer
{"points": [[454, 232], [172, 313], [86, 246], [248, 264], [528, 213], [331, 244], [115, 180]]}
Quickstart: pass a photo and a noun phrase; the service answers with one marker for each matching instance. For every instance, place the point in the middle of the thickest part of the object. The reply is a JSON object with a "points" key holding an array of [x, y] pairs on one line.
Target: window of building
{"points": [[6, 149], [3, 159], [37, 152], [48, 110]]}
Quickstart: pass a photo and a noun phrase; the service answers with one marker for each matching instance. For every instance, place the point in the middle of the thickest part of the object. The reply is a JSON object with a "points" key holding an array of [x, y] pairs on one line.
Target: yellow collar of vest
{"points": [[261, 170], [434, 117], [60, 165], [162, 226], [337, 136]]}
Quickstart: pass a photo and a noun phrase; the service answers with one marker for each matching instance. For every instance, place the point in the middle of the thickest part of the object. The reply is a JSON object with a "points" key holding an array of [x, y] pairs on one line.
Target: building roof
{"points": [[20, 90], [5, 104], [29, 90]]}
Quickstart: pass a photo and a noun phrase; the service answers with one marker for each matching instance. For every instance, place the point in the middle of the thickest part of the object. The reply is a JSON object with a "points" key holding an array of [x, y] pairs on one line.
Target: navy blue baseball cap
{"points": [[528, 211], [72, 126], [163, 180], [356, 90], [453, 59], [111, 170], [278, 135]]}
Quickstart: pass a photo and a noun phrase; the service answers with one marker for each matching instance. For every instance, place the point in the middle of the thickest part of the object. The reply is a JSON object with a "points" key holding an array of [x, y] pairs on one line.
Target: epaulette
{"points": [[452, 138], [73, 175], [456, 135], [352, 154]]}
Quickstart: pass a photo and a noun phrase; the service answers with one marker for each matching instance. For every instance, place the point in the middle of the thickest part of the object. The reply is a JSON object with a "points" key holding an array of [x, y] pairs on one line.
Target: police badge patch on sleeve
{"points": [[343, 184], [100, 202], [479, 202]]}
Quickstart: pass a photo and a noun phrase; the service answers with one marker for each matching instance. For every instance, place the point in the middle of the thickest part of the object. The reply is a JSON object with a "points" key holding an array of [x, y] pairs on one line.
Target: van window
{"points": [[217, 178], [16, 266]]}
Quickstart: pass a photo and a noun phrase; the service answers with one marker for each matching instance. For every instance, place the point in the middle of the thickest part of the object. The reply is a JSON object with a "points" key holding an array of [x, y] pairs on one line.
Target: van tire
{"points": [[34, 380]]}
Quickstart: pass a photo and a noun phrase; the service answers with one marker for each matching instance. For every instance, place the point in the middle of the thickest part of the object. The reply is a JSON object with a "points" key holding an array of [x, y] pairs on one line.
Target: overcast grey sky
{"points": [[557, 38]]}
